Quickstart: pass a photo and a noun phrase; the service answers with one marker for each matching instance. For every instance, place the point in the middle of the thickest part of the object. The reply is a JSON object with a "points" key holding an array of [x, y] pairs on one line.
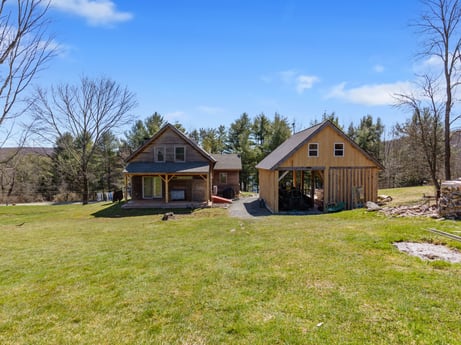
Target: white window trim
{"points": [[309, 151], [175, 159], [156, 148], [334, 149]]}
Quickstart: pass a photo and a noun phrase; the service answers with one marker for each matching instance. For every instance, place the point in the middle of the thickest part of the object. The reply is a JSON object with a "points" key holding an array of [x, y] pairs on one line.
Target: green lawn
{"points": [[98, 274]]}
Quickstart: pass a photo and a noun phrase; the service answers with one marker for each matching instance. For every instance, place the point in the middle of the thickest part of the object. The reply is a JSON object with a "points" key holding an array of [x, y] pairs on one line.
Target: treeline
{"points": [[55, 174]]}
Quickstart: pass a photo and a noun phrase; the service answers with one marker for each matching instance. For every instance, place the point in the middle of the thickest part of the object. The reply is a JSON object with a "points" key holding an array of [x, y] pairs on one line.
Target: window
{"points": [[313, 150], [180, 153], [223, 177], [151, 187], [159, 154], [339, 149]]}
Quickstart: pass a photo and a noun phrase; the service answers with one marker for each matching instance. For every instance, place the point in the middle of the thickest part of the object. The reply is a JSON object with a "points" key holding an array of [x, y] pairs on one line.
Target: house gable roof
{"points": [[297, 140], [227, 161], [170, 127]]}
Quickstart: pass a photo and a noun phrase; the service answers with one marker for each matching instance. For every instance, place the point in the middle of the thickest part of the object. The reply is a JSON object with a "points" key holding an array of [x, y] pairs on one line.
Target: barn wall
{"points": [[233, 181], [342, 181], [326, 140], [268, 189]]}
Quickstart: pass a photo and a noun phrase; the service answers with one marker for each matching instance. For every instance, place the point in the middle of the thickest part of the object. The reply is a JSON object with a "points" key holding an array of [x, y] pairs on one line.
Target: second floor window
{"points": [[180, 153], [159, 154], [313, 150], [339, 150]]}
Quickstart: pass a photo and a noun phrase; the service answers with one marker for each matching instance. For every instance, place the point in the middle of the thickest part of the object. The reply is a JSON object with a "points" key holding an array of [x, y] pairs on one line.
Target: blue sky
{"points": [[204, 63]]}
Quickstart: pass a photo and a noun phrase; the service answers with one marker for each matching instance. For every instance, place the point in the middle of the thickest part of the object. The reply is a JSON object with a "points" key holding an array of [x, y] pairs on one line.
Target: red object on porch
{"points": [[220, 200]]}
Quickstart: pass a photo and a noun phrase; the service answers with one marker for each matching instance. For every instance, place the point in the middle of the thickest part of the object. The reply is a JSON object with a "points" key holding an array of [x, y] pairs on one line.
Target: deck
{"points": [[161, 204]]}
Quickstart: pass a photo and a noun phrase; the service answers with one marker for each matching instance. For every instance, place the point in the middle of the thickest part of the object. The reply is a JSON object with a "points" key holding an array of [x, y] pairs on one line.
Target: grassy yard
{"points": [[98, 274]]}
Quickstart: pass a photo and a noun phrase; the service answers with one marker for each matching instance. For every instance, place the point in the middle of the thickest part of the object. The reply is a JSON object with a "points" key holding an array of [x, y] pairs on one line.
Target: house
{"points": [[226, 180], [318, 168], [171, 170]]}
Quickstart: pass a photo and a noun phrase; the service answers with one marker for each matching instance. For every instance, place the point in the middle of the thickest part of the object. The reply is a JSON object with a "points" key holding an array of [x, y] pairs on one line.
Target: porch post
{"points": [[166, 189]]}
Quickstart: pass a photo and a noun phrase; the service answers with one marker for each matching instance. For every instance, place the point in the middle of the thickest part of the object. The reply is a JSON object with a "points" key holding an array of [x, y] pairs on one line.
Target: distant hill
{"points": [[6, 152]]}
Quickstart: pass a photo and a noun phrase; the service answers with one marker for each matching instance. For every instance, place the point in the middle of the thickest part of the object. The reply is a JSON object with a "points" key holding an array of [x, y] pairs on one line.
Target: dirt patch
{"points": [[429, 251]]}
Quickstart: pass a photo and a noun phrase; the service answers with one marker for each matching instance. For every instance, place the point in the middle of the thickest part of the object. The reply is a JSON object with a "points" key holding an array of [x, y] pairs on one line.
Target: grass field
{"points": [[97, 274]]}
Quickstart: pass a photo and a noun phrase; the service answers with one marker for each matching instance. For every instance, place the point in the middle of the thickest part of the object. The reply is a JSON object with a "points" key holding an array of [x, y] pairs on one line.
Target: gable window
{"points": [[159, 154], [313, 150], [180, 153], [339, 149], [223, 177]]}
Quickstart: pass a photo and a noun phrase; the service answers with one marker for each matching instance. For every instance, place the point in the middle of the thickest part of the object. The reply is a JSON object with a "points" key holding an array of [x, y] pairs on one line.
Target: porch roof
{"points": [[167, 168]]}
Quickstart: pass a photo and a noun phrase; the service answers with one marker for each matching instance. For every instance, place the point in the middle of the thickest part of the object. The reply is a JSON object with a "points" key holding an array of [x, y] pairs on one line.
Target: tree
{"points": [[143, 130], [439, 28], [425, 127], [24, 50], [87, 112], [368, 135]]}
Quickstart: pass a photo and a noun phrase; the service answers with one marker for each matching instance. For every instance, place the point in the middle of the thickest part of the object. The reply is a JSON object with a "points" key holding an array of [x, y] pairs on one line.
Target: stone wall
{"points": [[450, 199]]}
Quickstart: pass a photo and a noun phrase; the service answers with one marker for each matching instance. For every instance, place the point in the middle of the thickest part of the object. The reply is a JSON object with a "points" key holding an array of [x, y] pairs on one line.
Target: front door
{"points": [[152, 187]]}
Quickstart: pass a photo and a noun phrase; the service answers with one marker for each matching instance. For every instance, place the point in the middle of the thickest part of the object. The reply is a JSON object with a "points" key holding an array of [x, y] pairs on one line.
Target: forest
{"points": [[54, 173]]}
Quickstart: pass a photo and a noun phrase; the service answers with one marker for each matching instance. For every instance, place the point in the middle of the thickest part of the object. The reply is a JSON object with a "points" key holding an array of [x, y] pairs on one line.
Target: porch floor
{"points": [[162, 204]]}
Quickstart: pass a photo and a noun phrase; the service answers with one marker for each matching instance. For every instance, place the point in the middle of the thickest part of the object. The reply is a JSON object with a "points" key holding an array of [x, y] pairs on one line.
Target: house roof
{"points": [[227, 161], [171, 127], [292, 144], [168, 168]]}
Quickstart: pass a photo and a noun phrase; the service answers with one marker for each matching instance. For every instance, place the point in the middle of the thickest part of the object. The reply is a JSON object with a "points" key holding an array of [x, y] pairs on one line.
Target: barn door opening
{"points": [[300, 190]]}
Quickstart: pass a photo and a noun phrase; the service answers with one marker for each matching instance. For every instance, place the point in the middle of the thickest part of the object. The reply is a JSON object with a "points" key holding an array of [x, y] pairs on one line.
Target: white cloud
{"points": [[376, 94], [96, 12], [297, 80], [304, 82]]}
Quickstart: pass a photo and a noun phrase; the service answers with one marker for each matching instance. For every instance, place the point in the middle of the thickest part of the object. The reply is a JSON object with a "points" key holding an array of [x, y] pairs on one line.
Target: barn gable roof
{"points": [[297, 140], [172, 128]]}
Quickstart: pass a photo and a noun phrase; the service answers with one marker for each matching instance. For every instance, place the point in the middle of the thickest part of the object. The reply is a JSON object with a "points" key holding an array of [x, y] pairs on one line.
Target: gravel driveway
{"points": [[247, 208]]}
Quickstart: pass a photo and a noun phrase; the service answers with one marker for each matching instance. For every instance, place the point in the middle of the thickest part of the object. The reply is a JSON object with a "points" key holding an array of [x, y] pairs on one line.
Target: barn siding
{"points": [[342, 181], [268, 182]]}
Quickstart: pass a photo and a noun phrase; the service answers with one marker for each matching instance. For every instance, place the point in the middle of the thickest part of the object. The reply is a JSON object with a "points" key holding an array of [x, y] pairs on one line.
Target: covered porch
{"points": [[179, 185]]}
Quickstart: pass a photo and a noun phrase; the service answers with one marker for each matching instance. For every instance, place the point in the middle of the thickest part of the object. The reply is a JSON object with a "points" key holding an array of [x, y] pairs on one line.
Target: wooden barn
{"points": [[318, 168]]}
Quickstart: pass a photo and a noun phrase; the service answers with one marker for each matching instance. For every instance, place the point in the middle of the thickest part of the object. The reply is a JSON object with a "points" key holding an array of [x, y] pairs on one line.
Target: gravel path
{"points": [[247, 208]]}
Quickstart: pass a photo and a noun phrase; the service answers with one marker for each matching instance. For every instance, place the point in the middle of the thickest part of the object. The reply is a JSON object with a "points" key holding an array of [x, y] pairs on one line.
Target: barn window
{"points": [[180, 153], [223, 177], [313, 150], [159, 154], [339, 149]]}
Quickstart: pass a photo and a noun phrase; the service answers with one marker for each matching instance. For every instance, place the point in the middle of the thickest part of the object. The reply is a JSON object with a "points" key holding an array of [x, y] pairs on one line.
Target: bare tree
{"points": [[425, 127], [87, 111], [440, 28], [25, 48]]}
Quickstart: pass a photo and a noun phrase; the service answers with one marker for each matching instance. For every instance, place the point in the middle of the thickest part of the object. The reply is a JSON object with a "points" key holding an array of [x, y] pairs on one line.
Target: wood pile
{"points": [[450, 199], [424, 210]]}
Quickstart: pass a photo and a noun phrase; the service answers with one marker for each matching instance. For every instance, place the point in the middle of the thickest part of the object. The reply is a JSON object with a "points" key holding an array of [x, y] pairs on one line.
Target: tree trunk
{"points": [[85, 190]]}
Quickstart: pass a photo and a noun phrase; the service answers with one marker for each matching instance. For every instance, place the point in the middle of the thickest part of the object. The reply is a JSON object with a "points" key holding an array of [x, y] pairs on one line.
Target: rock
{"points": [[371, 206]]}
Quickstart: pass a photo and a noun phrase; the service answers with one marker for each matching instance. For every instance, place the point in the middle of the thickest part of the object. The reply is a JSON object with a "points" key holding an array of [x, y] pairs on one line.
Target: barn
{"points": [[319, 168]]}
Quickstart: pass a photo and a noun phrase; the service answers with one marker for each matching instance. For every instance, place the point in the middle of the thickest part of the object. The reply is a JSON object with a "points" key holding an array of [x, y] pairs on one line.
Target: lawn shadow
{"points": [[115, 210]]}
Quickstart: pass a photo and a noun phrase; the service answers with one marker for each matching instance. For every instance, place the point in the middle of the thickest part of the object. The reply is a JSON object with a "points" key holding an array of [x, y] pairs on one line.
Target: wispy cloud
{"points": [[378, 68], [292, 78], [304, 82], [96, 12], [375, 94]]}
